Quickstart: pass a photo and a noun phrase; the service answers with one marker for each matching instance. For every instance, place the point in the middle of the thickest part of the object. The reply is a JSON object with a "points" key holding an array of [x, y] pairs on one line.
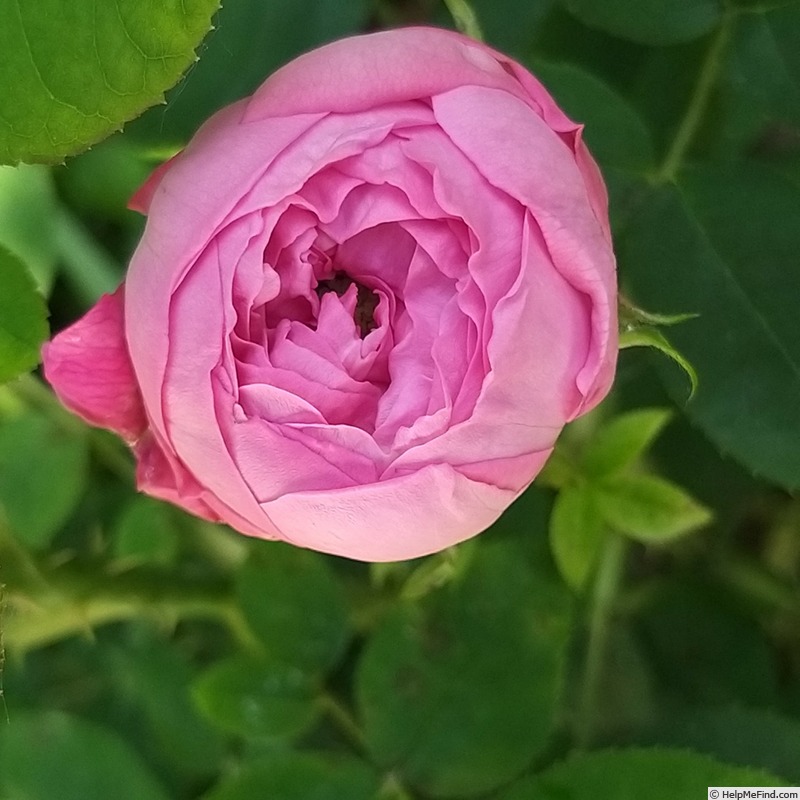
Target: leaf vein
{"points": [[747, 301], [35, 66]]}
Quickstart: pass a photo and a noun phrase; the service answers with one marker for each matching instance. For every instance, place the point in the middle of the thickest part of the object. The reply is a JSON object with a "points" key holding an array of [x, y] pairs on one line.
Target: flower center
{"points": [[366, 299]]}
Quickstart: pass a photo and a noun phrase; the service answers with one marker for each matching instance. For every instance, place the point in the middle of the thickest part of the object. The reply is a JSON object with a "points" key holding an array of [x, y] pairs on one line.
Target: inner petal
{"points": [[366, 299], [371, 310]]}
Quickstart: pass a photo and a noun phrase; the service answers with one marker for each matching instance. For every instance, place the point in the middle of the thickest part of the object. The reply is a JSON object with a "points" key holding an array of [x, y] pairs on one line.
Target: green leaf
{"points": [[145, 533], [33, 452], [663, 86], [256, 698], [760, 5], [615, 133], [726, 246], [23, 318], [152, 705], [234, 61], [682, 454], [653, 22], [49, 754], [560, 470], [657, 774], [576, 534], [82, 69], [559, 37], [28, 206], [764, 67], [510, 25], [619, 443], [648, 508], [650, 337], [300, 776], [755, 737], [688, 635], [294, 604], [102, 180], [458, 694]]}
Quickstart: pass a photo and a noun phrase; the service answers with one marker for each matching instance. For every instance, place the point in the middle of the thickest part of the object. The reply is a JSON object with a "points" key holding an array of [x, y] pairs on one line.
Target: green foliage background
{"points": [[630, 628]]}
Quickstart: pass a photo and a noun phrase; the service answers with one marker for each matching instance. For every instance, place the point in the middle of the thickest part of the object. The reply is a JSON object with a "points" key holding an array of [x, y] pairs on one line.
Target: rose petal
{"points": [[143, 196], [204, 183], [277, 460], [168, 480], [379, 69], [88, 366], [553, 188], [409, 516]]}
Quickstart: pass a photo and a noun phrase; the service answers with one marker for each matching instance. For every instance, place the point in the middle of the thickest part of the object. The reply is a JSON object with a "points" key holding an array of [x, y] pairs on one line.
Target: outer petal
{"points": [[572, 133], [143, 196], [168, 480], [203, 184], [88, 366], [551, 185], [378, 69], [406, 517], [159, 473]]}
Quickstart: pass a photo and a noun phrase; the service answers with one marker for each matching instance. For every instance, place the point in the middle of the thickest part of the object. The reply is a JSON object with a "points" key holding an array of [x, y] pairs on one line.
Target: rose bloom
{"points": [[366, 301]]}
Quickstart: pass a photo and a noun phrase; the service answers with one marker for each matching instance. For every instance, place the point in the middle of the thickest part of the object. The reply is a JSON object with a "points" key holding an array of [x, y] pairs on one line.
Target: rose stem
{"points": [[50, 605], [698, 103], [604, 590]]}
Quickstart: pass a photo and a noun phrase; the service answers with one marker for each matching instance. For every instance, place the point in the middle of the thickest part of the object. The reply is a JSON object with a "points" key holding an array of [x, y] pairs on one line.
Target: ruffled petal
{"points": [[203, 185], [553, 188]]}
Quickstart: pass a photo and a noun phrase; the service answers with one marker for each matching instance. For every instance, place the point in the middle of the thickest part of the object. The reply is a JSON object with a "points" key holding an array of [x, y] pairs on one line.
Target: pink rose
{"points": [[367, 300]]}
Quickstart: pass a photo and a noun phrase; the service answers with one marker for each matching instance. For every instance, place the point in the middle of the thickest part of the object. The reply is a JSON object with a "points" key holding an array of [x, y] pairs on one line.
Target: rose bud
{"points": [[366, 301]]}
